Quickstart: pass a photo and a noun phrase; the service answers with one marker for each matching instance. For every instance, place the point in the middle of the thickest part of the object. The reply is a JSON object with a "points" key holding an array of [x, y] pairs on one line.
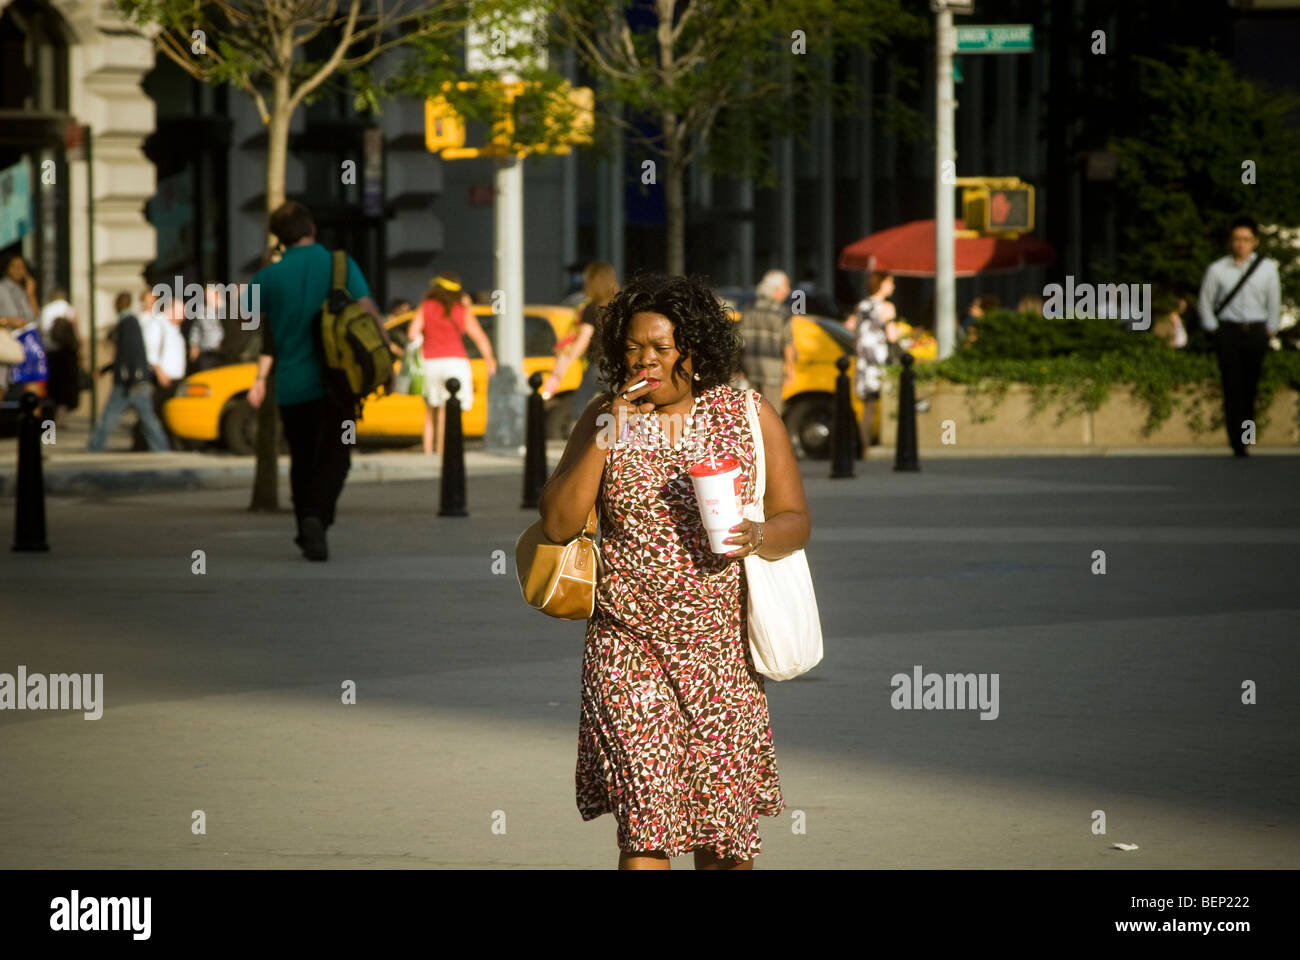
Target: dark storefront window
{"points": [[33, 118], [189, 148]]}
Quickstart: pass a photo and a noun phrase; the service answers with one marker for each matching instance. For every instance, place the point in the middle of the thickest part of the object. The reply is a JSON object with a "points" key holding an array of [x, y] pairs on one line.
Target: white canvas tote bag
{"points": [[785, 630]]}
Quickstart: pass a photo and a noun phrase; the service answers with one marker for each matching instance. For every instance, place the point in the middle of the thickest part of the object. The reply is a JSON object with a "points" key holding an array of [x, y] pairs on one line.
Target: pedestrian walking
{"points": [[1240, 304], [674, 737], [767, 355], [872, 326], [975, 313], [444, 319], [1032, 303], [62, 338], [168, 354], [599, 284], [1170, 327], [207, 333], [292, 291], [20, 329], [133, 371]]}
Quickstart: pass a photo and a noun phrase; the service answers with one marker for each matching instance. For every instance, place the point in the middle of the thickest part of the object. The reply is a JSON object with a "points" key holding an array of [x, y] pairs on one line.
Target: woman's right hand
{"points": [[634, 402]]}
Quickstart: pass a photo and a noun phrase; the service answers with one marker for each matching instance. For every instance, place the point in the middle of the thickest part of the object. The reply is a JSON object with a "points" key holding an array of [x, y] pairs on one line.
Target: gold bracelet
{"points": [[759, 545]]}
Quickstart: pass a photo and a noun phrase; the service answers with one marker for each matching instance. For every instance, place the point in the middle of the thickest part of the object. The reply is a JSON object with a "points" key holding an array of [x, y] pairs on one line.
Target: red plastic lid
{"points": [[724, 464]]}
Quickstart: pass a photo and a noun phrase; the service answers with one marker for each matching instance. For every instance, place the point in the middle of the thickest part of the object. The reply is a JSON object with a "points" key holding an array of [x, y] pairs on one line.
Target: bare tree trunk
{"points": [[266, 478], [674, 173]]}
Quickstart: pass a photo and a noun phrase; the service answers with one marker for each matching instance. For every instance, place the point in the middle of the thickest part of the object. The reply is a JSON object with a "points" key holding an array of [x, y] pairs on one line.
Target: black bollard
{"points": [[452, 494], [535, 435], [844, 427], [905, 448], [29, 505]]}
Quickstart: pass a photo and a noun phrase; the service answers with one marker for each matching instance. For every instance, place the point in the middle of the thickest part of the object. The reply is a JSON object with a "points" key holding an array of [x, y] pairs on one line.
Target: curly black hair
{"points": [[702, 328]]}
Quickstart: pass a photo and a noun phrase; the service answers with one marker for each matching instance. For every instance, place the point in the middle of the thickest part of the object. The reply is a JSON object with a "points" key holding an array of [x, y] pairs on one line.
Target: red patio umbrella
{"points": [[908, 251]]}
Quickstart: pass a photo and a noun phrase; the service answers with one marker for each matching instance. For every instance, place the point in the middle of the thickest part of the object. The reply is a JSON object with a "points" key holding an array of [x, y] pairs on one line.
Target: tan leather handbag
{"points": [[559, 579], [11, 351]]}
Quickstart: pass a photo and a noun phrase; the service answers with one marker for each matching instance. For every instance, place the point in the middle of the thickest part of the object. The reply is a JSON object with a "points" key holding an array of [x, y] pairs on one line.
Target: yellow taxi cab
{"points": [[809, 397], [212, 407]]}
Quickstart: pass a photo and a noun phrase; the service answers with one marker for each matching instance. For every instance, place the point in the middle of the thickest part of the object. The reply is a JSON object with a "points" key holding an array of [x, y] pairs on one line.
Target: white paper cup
{"points": [[717, 491]]}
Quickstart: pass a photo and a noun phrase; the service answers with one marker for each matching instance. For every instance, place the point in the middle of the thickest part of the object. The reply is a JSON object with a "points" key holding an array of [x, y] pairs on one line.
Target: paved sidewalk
{"points": [[222, 692], [70, 470]]}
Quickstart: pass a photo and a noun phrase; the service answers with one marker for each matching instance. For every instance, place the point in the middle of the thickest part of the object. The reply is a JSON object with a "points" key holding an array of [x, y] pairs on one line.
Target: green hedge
{"points": [[1075, 363]]}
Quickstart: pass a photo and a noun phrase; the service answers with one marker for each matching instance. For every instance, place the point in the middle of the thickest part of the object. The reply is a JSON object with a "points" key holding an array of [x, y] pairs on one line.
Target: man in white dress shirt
{"points": [[1242, 316], [166, 349]]}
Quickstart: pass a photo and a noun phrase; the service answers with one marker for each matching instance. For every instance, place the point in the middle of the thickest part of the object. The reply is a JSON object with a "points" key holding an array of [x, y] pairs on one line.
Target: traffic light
{"points": [[504, 136], [528, 120], [994, 206], [527, 112], [580, 114], [1010, 210], [568, 117], [443, 127]]}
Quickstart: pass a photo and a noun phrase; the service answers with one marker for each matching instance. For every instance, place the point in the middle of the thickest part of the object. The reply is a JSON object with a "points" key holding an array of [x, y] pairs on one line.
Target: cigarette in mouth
{"points": [[637, 386]]}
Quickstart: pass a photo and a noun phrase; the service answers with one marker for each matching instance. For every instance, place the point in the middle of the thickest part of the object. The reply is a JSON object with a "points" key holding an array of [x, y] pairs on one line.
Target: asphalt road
{"points": [[1118, 693]]}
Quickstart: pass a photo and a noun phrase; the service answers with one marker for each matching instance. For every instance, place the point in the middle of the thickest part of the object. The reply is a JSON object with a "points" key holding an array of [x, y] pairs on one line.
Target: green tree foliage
{"points": [[1180, 179], [1076, 363], [691, 79], [281, 53]]}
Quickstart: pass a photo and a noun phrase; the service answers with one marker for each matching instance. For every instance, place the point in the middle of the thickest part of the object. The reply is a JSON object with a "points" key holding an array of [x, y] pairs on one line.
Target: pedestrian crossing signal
{"points": [[997, 206], [443, 127], [531, 121]]}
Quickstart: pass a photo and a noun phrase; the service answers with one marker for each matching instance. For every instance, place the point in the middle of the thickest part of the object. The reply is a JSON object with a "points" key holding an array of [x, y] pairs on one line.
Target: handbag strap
{"points": [[590, 526], [760, 461]]}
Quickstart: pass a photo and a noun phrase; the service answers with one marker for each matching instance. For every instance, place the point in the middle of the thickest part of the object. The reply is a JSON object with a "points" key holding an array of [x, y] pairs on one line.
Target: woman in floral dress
{"points": [[674, 738]]}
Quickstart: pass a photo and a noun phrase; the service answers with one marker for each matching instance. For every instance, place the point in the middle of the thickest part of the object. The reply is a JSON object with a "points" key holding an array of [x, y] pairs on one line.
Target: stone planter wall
{"points": [[1117, 423]]}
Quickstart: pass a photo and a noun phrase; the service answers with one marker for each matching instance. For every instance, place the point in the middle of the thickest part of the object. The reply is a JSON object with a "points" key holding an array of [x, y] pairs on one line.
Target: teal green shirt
{"points": [[291, 292]]}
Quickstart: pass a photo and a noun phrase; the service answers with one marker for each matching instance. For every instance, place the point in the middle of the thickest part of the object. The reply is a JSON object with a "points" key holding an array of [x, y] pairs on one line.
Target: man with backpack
{"points": [[135, 370], [314, 403]]}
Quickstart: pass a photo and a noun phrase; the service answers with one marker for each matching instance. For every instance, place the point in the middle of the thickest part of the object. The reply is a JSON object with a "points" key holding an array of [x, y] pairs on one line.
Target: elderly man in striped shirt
{"points": [[767, 354], [1241, 305]]}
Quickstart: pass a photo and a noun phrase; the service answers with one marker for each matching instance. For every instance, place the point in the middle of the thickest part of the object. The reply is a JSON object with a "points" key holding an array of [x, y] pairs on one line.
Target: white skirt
{"points": [[438, 370]]}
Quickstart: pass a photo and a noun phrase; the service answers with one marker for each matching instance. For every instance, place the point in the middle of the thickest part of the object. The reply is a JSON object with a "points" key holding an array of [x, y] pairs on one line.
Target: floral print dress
{"points": [[674, 737]]}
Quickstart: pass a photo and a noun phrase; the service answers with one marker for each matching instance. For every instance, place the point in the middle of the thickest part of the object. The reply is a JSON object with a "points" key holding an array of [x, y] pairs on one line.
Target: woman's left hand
{"points": [[748, 537]]}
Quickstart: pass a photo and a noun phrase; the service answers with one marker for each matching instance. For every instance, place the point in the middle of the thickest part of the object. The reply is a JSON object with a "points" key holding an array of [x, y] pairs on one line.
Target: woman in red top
{"points": [[442, 319]]}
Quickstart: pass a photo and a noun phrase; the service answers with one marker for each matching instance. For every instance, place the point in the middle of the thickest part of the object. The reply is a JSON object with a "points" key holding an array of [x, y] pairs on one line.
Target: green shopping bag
{"points": [[414, 368]]}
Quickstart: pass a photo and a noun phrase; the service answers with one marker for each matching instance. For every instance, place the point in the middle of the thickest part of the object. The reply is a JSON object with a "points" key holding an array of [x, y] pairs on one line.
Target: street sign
{"points": [[996, 38]]}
